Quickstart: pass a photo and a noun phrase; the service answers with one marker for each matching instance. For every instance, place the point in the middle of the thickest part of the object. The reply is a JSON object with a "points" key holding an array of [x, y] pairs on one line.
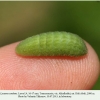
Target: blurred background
{"points": [[19, 20]]}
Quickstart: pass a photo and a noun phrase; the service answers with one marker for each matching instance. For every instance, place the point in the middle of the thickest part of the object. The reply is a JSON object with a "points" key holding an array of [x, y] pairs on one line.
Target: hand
{"points": [[35, 73]]}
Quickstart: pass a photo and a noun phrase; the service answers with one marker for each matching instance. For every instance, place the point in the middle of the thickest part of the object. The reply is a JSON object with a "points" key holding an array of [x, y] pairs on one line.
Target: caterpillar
{"points": [[52, 44]]}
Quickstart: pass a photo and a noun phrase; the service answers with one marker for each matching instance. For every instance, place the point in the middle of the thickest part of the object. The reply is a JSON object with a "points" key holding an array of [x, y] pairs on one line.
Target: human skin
{"points": [[47, 73]]}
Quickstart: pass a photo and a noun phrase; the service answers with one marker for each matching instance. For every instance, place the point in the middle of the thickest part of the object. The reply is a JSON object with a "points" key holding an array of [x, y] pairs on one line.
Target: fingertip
{"points": [[47, 73]]}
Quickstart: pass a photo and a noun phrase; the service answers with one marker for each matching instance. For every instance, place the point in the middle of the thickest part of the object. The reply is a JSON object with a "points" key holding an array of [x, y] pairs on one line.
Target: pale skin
{"points": [[47, 73]]}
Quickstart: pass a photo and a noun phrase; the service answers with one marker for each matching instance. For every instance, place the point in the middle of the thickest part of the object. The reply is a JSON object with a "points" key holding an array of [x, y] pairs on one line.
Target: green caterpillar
{"points": [[52, 44]]}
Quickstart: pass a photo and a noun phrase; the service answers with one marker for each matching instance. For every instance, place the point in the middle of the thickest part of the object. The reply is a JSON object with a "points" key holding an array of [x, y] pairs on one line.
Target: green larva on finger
{"points": [[52, 44]]}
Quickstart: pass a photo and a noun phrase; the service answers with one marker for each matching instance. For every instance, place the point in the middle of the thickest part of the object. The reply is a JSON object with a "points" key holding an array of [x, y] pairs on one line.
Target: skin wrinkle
{"points": [[82, 71], [69, 78], [56, 65], [86, 77], [47, 72], [11, 76], [40, 76], [92, 70], [31, 76], [91, 59]]}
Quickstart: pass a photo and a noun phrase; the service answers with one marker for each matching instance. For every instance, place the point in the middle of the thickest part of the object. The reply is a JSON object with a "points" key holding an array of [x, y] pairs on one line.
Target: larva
{"points": [[52, 44]]}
